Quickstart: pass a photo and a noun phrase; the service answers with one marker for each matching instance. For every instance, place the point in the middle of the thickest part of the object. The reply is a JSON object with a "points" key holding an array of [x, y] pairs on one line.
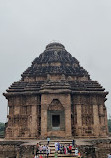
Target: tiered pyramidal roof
{"points": [[46, 63], [55, 67]]}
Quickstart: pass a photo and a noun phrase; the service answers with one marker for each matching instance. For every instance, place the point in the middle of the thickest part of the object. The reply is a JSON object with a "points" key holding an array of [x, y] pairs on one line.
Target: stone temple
{"points": [[56, 98]]}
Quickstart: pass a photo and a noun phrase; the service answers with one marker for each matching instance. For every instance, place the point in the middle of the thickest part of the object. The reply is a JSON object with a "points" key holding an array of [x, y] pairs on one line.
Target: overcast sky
{"points": [[27, 26]]}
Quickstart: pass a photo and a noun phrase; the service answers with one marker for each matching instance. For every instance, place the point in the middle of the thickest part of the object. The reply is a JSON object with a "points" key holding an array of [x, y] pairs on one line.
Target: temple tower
{"points": [[56, 98]]}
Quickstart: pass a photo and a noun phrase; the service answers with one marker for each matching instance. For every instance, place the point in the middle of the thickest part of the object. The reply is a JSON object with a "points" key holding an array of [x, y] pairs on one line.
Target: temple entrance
{"points": [[55, 120], [55, 116]]}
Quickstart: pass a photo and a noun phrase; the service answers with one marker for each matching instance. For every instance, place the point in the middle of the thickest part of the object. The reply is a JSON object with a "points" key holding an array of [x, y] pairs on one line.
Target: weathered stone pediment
{"points": [[55, 105]]}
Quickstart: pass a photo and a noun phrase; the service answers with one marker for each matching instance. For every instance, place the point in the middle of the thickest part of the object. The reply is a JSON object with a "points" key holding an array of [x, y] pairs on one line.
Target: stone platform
{"points": [[26, 148]]}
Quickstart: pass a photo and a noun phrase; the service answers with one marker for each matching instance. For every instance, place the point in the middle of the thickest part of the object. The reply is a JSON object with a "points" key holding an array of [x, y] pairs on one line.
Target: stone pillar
{"points": [[34, 121], [68, 122], [43, 116], [79, 119], [96, 120], [106, 122], [43, 123], [67, 104], [101, 114]]}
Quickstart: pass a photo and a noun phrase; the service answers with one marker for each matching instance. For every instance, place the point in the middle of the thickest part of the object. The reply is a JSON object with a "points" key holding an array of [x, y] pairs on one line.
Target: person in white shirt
{"points": [[56, 146], [76, 151], [44, 149], [47, 151]]}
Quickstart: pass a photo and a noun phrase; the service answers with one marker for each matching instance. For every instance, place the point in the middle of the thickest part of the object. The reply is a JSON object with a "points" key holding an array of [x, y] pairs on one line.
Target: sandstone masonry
{"points": [[56, 98]]}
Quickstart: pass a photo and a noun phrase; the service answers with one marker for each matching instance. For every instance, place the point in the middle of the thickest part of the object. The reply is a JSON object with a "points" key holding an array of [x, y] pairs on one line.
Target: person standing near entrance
{"points": [[73, 143], [37, 148], [58, 144], [56, 147], [48, 140], [47, 151], [70, 149], [40, 149], [76, 151], [44, 149]]}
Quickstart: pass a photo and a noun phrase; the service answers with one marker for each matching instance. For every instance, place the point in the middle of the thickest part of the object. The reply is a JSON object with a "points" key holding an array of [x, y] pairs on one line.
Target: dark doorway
{"points": [[55, 120]]}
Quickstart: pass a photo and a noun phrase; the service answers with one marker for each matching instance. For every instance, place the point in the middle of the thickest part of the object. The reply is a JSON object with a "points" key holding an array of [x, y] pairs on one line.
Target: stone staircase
{"points": [[52, 148]]}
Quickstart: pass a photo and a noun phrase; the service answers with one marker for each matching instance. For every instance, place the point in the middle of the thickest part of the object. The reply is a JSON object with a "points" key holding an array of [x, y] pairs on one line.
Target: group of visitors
{"points": [[63, 149], [66, 148], [42, 150]]}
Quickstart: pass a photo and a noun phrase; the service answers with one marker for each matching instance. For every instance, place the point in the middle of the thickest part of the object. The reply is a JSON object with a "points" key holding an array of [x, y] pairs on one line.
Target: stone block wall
{"points": [[89, 116], [24, 117]]}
